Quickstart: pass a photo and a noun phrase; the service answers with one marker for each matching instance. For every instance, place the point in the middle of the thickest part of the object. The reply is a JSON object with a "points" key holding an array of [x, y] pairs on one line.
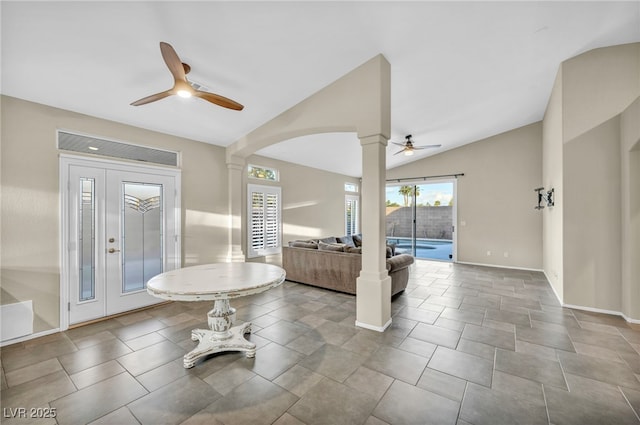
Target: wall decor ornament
{"points": [[544, 197]]}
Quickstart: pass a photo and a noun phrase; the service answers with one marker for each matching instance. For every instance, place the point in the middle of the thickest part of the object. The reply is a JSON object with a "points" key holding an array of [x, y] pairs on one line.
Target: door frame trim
{"points": [[67, 160]]}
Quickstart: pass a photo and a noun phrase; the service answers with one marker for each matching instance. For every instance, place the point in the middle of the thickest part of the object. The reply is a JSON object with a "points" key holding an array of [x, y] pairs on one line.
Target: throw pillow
{"points": [[331, 247], [357, 240], [330, 239], [347, 240], [303, 244]]}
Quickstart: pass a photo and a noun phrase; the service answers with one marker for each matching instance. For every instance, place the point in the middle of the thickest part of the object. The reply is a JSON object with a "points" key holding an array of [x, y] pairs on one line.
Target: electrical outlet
{"points": [[506, 254], [488, 253]]}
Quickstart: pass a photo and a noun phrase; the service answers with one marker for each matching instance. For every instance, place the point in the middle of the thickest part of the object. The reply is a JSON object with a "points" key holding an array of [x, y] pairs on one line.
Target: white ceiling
{"points": [[461, 71]]}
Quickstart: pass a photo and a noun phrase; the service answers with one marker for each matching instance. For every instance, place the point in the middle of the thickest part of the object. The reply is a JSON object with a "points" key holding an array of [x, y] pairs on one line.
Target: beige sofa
{"points": [[337, 270]]}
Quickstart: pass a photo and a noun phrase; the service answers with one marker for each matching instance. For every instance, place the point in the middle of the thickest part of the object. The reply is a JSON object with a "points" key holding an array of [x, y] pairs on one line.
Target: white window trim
{"points": [[272, 245]]}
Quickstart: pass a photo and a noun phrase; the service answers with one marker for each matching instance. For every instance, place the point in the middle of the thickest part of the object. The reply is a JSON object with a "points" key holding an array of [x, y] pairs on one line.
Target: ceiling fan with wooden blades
{"points": [[183, 87], [409, 147]]}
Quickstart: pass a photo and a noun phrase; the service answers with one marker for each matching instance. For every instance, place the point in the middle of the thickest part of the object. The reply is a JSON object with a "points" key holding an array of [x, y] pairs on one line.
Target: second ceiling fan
{"points": [[409, 147], [182, 87]]}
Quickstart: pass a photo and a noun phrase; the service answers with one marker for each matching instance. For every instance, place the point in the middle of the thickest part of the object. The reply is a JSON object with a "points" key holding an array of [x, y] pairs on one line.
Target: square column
{"points": [[373, 286], [235, 167]]}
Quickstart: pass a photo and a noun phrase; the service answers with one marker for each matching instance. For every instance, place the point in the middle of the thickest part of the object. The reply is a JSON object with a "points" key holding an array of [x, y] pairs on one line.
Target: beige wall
{"points": [[30, 199], [312, 201], [592, 218], [598, 85], [552, 178], [495, 197], [630, 185], [590, 137]]}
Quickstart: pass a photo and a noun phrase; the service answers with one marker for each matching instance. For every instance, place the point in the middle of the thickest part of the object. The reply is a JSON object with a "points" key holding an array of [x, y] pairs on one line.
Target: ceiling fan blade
{"points": [[399, 144], [218, 100], [399, 151], [426, 146], [173, 61], [152, 98]]}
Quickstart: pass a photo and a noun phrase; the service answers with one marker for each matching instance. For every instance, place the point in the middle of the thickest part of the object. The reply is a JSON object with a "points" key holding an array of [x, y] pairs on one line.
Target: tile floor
{"points": [[468, 345]]}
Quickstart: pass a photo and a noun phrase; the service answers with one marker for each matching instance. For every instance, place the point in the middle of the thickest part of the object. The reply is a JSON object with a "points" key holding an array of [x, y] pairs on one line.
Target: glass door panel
{"points": [[434, 221], [399, 218], [142, 235], [87, 239], [85, 264], [141, 222]]}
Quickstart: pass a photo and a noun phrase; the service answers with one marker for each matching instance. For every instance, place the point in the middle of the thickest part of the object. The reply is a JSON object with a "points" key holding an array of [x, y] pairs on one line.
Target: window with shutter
{"points": [[265, 220], [351, 215]]}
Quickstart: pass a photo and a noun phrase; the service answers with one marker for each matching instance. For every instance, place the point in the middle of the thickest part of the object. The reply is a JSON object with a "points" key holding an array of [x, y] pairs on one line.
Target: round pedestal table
{"points": [[219, 283]]}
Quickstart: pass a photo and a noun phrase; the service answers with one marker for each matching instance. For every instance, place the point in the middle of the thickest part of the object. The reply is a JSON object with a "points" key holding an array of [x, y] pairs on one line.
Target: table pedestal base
{"points": [[221, 337]]}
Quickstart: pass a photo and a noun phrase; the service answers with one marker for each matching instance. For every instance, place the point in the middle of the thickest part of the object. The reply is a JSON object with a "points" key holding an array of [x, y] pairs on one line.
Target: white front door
{"points": [[122, 228]]}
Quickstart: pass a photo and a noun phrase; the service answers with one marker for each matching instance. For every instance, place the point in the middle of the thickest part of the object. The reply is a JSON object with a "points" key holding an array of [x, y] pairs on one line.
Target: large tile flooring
{"points": [[468, 345]]}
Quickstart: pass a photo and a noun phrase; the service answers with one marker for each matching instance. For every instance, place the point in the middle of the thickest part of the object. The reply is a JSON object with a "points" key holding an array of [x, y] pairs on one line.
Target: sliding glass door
{"points": [[420, 219]]}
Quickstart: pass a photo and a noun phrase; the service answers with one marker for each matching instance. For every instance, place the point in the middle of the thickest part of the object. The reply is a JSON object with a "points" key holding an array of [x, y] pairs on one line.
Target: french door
{"points": [[120, 228]]}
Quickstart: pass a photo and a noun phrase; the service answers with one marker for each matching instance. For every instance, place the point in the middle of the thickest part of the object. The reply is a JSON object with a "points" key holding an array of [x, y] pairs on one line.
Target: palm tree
{"points": [[407, 192]]}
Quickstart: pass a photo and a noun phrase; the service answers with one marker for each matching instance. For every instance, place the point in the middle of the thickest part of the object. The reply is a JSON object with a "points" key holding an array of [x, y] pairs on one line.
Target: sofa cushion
{"points": [[389, 252], [399, 261], [338, 271], [347, 240], [353, 250], [392, 245], [338, 247], [330, 239], [303, 244]]}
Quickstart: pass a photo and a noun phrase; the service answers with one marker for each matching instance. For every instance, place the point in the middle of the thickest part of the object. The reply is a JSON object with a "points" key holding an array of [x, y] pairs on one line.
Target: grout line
{"points": [[629, 403], [464, 394], [546, 407]]}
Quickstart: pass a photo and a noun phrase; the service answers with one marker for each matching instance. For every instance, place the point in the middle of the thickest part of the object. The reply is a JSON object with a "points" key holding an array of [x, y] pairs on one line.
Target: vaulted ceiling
{"points": [[461, 71]]}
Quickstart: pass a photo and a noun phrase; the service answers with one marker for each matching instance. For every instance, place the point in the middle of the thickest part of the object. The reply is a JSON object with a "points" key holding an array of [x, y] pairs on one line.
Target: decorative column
{"points": [[235, 168], [373, 286]]}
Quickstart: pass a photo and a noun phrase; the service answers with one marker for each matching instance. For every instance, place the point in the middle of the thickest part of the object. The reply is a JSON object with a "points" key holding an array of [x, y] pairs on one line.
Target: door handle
{"points": [[112, 250]]}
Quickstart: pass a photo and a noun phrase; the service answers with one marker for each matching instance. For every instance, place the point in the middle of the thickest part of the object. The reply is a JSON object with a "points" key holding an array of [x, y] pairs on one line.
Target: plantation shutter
{"points": [[264, 220], [351, 215]]}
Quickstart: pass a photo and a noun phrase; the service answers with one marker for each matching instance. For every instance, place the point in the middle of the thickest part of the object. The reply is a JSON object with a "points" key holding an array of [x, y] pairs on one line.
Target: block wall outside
{"points": [[431, 222]]}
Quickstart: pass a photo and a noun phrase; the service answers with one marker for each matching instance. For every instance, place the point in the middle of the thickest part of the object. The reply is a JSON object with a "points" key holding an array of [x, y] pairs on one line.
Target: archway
{"points": [[359, 102]]}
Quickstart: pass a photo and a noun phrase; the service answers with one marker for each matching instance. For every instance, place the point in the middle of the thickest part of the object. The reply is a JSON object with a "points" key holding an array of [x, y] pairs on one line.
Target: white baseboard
{"points": [[553, 288], [602, 311], [590, 309], [497, 266], [374, 328], [28, 337]]}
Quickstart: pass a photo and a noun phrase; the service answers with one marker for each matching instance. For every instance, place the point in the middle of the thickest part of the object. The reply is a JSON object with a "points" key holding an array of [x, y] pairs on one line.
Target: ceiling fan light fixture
{"points": [[408, 152], [183, 87]]}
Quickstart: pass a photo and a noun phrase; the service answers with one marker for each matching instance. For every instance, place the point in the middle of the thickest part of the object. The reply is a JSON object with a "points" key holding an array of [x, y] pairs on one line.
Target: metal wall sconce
{"points": [[544, 197]]}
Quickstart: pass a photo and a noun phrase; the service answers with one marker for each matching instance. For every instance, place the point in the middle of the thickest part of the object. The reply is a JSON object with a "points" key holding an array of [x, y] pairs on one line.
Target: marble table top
{"points": [[215, 281]]}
